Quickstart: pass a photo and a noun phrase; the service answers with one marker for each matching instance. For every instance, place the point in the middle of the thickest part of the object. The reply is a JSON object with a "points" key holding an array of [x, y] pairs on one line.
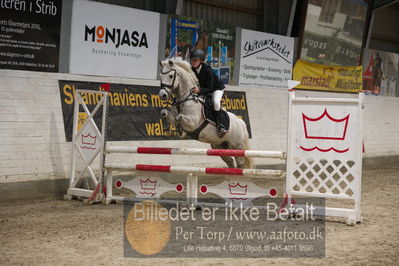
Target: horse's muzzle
{"points": [[163, 94]]}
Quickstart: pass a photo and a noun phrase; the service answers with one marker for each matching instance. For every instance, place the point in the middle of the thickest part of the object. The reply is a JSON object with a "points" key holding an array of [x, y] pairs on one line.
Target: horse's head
{"points": [[170, 79], [177, 78]]}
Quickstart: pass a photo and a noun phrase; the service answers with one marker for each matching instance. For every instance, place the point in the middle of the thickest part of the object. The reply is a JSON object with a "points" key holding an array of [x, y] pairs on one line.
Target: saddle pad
{"points": [[210, 115]]}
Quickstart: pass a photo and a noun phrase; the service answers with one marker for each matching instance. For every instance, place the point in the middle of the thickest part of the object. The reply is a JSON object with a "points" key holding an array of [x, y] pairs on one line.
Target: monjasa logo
{"points": [[117, 36]]}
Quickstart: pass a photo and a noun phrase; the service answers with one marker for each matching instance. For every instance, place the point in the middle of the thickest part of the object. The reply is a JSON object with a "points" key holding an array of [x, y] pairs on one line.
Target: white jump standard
{"points": [[324, 156], [87, 144]]}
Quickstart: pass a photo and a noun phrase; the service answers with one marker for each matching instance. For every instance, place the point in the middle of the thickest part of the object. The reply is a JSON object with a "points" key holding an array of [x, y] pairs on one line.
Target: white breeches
{"points": [[216, 97]]}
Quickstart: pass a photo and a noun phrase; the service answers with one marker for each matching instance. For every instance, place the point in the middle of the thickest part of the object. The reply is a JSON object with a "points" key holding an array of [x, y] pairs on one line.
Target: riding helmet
{"points": [[198, 53]]}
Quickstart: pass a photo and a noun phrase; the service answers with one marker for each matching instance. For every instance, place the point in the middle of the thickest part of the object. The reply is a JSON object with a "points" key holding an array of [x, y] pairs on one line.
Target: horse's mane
{"points": [[185, 66]]}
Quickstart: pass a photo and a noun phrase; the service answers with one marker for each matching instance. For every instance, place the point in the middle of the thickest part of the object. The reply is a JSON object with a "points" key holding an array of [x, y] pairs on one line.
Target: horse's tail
{"points": [[248, 163]]}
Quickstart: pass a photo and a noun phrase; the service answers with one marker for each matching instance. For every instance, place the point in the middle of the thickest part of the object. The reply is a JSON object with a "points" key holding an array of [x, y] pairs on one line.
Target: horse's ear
{"points": [[170, 63]]}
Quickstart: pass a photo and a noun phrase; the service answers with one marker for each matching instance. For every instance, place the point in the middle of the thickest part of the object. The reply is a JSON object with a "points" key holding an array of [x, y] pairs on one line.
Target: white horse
{"points": [[177, 80]]}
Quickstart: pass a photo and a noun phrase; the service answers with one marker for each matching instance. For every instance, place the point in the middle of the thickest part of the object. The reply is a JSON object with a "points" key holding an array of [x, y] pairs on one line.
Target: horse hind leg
{"points": [[242, 143], [227, 159], [240, 162]]}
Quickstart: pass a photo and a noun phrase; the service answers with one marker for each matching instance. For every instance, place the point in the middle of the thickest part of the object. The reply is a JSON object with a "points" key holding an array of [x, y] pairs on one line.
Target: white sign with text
{"points": [[266, 59], [111, 40]]}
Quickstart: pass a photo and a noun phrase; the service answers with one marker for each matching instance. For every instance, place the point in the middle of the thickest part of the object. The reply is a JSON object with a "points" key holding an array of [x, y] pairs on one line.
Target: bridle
{"points": [[171, 86], [171, 90]]}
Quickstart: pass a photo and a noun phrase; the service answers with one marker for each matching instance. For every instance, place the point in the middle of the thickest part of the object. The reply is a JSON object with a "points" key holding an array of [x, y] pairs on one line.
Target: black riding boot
{"points": [[220, 128]]}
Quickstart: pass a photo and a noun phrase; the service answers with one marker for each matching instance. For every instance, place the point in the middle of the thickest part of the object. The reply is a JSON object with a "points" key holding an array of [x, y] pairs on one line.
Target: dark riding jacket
{"points": [[208, 80]]}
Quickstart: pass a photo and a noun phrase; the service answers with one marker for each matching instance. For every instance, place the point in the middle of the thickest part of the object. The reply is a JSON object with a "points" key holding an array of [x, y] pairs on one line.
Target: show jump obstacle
{"points": [[323, 159], [88, 139]]}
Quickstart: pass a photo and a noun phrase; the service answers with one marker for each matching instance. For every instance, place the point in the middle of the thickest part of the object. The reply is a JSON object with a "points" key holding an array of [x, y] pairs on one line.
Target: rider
{"points": [[209, 83]]}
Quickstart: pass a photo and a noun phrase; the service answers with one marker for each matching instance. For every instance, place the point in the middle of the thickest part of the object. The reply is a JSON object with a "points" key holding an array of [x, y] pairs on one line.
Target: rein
{"points": [[194, 97]]}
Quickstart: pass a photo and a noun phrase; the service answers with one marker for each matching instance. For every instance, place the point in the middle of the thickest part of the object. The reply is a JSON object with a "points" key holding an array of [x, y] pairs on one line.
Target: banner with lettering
{"points": [[265, 59], [134, 110], [328, 78], [30, 35], [110, 40]]}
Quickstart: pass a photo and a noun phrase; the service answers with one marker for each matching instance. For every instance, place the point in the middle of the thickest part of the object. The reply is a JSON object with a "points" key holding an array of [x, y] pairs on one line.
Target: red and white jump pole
{"points": [[208, 152], [195, 170]]}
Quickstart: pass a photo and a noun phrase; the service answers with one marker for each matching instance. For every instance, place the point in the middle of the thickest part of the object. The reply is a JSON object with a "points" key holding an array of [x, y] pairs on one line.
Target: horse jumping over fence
{"points": [[177, 80]]}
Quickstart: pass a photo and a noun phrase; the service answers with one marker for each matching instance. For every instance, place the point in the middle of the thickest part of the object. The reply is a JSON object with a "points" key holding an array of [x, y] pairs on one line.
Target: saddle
{"points": [[209, 114]]}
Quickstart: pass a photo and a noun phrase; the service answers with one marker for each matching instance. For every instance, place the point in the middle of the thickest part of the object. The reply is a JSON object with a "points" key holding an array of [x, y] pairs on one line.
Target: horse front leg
{"points": [[168, 121], [240, 161], [188, 121], [171, 123]]}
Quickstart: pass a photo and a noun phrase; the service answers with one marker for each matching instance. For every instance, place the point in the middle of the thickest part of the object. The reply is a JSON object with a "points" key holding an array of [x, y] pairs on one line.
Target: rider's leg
{"points": [[216, 97]]}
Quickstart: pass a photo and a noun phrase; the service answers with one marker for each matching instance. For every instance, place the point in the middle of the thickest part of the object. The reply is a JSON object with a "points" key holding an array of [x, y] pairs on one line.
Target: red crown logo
{"points": [[325, 126], [89, 139], [148, 184], [237, 189]]}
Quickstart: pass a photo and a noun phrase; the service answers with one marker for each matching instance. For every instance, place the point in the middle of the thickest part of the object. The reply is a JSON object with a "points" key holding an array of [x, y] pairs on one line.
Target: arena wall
{"points": [[35, 158]]}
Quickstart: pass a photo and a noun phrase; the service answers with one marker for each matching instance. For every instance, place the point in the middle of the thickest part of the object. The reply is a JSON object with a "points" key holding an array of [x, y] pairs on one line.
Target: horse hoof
{"points": [[164, 114]]}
